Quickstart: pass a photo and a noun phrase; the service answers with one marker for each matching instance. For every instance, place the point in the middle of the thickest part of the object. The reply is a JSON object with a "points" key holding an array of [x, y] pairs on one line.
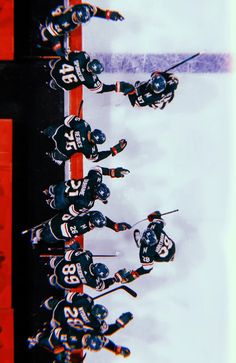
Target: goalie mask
{"points": [[158, 84]]}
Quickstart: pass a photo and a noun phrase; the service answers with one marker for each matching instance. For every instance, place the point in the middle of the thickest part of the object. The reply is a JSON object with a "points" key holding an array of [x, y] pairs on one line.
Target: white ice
{"points": [[180, 157]]}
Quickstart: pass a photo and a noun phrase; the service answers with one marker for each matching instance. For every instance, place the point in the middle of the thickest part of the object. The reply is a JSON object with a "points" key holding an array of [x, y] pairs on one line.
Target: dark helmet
{"points": [[149, 237], [83, 14], [95, 66], [158, 83], [102, 192], [99, 311], [94, 342], [98, 219], [99, 270], [98, 136]]}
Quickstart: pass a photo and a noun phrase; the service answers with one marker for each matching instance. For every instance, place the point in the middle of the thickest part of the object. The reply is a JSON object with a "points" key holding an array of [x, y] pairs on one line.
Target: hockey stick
{"points": [[31, 228], [184, 61], [162, 214], [61, 255], [80, 108], [125, 288]]}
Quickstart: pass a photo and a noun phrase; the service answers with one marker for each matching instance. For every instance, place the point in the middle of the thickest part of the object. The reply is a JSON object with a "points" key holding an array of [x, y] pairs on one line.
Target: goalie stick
{"points": [[125, 288]]}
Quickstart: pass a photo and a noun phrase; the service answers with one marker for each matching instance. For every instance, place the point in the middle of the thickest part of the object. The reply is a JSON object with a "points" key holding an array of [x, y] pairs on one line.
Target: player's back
{"points": [[68, 71], [70, 274]]}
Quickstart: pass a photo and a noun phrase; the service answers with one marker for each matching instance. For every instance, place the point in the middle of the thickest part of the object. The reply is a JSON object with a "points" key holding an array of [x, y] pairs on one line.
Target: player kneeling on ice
{"points": [[63, 21], [78, 311], [76, 196], [155, 246], [157, 92], [62, 227], [77, 69], [75, 136], [64, 342], [77, 268]]}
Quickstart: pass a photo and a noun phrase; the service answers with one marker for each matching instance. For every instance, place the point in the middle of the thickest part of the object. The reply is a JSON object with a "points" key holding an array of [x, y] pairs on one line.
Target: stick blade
{"points": [[129, 291]]}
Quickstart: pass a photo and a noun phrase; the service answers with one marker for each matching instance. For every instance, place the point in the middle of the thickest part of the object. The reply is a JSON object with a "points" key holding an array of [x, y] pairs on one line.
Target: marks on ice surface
{"points": [[147, 63]]}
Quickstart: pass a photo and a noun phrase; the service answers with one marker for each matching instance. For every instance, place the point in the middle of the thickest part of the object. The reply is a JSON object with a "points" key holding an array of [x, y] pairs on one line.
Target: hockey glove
{"points": [[124, 87], [122, 226], [125, 352], [118, 147], [124, 319], [154, 215], [125, 276], [120, 275], [118, 172], [114, 15]]}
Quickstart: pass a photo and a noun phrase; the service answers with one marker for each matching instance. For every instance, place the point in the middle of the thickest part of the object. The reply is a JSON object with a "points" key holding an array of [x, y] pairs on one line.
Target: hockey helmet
{"points": [[99, 270], [94, 342], [98, 136], [97, 219], [149, 237], [83, 13], [158, 83], [99, 311], [102, 192], [95, 66]]}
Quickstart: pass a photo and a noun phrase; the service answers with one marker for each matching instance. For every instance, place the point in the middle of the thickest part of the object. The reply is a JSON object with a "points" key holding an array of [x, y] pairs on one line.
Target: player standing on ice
{"points": [[77, 268], [76, 69], [77, 196], [75, 136], [64, 20], [62, 227], [155, 246], [157, 92]]}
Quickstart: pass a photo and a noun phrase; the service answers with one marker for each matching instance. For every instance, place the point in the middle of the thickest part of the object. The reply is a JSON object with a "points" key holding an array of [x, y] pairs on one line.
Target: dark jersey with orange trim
{"points": [[144, 95], [64, 21], [71, 71], [162, 251], [74, 270], [72, 137]]}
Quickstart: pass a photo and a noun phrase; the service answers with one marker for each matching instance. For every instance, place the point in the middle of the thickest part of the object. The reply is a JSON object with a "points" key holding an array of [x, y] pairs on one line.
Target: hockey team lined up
{"points": [[75, 322]]}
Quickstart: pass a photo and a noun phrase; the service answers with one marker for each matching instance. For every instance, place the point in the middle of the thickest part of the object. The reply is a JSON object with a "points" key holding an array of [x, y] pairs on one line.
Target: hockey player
{"points": [[77, 268], [155, 246], [64, 20], [62, 227], [64, 342], [76, 69], [75, 136], [157, 92], [76, 196], [78, 311]]}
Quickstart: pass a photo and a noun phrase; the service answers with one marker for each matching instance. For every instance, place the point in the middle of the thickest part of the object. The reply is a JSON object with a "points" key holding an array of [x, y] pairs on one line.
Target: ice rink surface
{"points": [[181, 157]]}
